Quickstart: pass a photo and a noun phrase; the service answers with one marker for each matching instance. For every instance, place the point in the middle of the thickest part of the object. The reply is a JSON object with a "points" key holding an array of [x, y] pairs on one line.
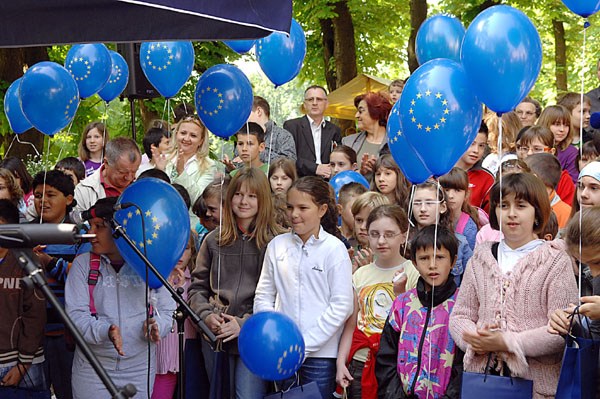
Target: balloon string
{"points": [[585, 26], [45, 174], [500, 134], [105, 125], [435, 244], [221, 182], [22, 142], [413, 189], [271, 139]]}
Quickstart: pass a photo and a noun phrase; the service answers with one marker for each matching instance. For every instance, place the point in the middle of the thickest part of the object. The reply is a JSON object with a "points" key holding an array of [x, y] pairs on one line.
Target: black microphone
{"points": [[105, 208], [31, 235], [595, 120]]}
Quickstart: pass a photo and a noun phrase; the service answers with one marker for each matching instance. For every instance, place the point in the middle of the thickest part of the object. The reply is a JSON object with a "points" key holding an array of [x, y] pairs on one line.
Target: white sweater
{"points": [[312, 284]]}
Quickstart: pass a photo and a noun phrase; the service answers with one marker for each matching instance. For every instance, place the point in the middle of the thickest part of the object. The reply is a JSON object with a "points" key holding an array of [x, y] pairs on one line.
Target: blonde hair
{"points": [[511, 124], [15, 191], [589, 231], [371, 199], [203, 150]]}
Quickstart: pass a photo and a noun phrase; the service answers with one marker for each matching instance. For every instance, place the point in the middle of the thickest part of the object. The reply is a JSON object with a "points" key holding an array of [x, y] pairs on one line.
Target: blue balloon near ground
{"points": [[583, 8], [502, 55], [224, 99], [439, 113], [160, 227], [49, 97], [440, 36], [167, 65], [12, 108], [271, 346], [348, 176], [404, 154], [280, 57], [90, 65], [119, 76], [240, 46]]}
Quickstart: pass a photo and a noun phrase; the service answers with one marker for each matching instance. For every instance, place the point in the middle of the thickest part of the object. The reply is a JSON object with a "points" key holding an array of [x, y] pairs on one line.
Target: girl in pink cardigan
{"points": [[511, 288]]}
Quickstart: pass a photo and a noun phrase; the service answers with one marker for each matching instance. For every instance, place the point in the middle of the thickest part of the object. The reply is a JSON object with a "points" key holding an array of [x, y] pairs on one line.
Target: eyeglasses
{"points": [[427, 204], [511, 164], [534, 149], [313, 99], [388, 235]]}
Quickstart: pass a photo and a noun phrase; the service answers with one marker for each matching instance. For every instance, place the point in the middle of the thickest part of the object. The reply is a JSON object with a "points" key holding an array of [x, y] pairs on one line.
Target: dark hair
{"points": [[156, 173], [184, 194], [347, 151], [590, 150], [524, 186], [17, 167], [445, 218], [571, 100], [378, 105], [121, 147], [322, 194], [199, 208], [402, 190], [541, 133], [214, 189], [9, 213], [458, 179], [349, 189], [183, 110], [392, 211], [546, 167], [315, 87], [287, 165], [74, 165], [588, 231], [152, 137], [551, 226], [58, 180], [262, 103], [253, 129], [426, 238], [536, 104], [483, 128]]}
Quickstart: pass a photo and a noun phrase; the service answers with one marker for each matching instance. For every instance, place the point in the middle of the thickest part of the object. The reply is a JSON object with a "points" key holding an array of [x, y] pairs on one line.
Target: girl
{"points": [[589, 153], [10, 189], [91, 146], [360, 253], [558, 119], [307, 276], [465, 218], [342, 158], [390, 181], [282, 174], [500, 312], [429, 207], [23, 179], [373, 297], [227, 271], [511, 124]]}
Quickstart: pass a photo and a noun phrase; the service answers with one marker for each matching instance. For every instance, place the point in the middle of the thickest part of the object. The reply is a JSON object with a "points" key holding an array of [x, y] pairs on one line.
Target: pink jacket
{"points": [[540, 283]]}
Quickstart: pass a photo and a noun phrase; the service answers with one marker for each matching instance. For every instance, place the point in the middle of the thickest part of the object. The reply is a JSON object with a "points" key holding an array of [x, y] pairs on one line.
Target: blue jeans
{"points": [[34, 379], [247, 384], [318, 369]]}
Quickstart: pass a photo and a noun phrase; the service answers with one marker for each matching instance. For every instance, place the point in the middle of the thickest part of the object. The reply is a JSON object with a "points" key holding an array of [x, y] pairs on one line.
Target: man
{"points": [[121, 161], [278, 142], [315, 137]]}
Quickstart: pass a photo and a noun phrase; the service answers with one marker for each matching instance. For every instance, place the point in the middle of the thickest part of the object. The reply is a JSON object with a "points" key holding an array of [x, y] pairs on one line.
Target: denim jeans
{"points": [[318, 369], [34, 378], [247, 384]]}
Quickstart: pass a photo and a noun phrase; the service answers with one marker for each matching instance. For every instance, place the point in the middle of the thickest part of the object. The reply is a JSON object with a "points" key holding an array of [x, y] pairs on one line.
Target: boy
{"points": [[23, 319], [348, 193], [72, 167], [395, 90], [414, 325], [250, 143], [156, 144], [572, 101], [360, 253], [547, 168]]}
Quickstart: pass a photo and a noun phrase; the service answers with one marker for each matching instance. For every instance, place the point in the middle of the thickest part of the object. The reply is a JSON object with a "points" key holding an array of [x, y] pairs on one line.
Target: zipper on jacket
{"points": [[303, 251], [118, 281], [421, 342]]}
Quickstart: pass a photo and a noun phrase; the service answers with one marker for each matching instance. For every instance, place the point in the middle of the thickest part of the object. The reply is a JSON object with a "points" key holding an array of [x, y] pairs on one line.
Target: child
{"points": [[511, 124], [373, 297], [464, 217], [572, 102], [551, 230], [589, 153], [429, 207], [417, 356], [390, 181], [72, 167], [23, 319], [510, 289], [208, 207], [342, 158], [558, 119], [348, 193], [547, 168], [156, 145], [588, 187], [314, 255], [395, 90], [91, 146], [282, 174], [10, 189], [250, 143], [360, 253], [22, 178], [228, 267]]}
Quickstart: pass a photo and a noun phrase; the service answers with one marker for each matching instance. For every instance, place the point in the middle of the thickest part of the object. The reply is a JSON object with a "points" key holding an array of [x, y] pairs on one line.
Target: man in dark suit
{"points": [[315, 137]]}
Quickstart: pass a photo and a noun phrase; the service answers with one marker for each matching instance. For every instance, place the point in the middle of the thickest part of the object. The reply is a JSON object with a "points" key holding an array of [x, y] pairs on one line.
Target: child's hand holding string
{"points": [[228, 330], [343, 376], [560, 320]]}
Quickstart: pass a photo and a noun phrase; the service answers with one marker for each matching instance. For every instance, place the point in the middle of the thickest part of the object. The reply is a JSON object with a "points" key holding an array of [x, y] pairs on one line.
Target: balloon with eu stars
{"points": [[403, 153], [240, 46], [583, 8], [90, 64], [281, 56], [223, 99], [49, 97], [118, 79], [167, 65], [440, 36], [345, 177], [12, 108], [158, 224], [271, 346], [439, 114]]}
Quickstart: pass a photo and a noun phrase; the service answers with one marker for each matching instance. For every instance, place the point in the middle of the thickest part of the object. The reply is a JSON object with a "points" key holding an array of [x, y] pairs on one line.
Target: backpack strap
{"points": [[462, 222], [93, 275]]}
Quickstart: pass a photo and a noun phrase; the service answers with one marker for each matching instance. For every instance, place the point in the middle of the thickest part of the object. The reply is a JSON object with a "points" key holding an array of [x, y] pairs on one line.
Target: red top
{"points": [[480, 184], [109, 189], [566, 188]]}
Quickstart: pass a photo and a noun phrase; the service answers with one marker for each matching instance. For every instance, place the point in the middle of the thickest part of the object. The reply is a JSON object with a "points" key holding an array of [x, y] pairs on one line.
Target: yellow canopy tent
{"points": [[341, 100]]}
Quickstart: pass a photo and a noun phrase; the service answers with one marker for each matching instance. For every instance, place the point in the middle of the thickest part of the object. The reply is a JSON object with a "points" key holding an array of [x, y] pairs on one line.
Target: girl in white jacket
{"points": [[307, 275]]}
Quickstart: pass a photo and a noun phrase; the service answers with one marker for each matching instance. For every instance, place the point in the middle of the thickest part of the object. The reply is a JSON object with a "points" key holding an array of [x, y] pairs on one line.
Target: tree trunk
{"points": [[12, 63], [328, 41], [560, 56], [418, 14]]}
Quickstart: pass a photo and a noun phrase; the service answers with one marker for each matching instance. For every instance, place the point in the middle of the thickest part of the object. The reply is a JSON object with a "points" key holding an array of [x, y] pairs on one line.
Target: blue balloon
{"points": [[164, 232], [224, 99], [90, 65], [281, 57], [12, 108], [404, 154], [119, 76], [502, 54], [167, 65], [583, 8], [240, 46], [345, 177], [49, 97], [440, 36], [439, 113], [271, 346]]}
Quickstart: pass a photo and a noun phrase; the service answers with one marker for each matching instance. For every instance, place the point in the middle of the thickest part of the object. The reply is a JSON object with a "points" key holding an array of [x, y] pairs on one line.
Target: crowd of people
{"points": [[397, 288]]}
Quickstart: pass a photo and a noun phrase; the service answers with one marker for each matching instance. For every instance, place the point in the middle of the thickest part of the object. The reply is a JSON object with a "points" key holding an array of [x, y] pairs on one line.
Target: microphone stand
{"points": [[183, 310], [35, 276]]}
